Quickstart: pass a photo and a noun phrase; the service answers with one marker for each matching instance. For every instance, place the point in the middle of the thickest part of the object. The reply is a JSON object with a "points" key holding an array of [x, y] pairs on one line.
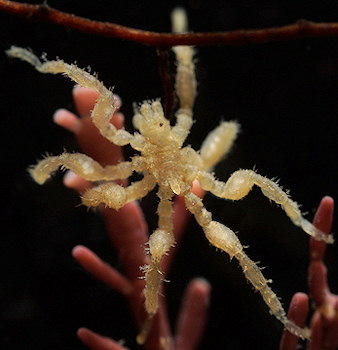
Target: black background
{"points": [[284, 95]]}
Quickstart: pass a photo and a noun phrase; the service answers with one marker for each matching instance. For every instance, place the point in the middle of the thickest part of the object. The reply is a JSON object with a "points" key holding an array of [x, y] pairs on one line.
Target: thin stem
{"points": [[297, 30], [169, 97]]}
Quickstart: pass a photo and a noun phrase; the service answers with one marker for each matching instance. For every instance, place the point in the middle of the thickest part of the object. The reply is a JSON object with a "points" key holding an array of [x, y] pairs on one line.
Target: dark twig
{"points": [[167, 83], [300, 29]]}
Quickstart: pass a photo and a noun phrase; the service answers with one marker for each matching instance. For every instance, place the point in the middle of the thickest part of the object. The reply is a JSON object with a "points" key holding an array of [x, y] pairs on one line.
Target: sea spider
{"points": [[165, 163]]}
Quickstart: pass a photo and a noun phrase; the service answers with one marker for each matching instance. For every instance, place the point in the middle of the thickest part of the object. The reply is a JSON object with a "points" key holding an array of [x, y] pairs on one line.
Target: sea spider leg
{"points": [[218, 143], [105, 105], [82, 165], [185, 81], [160, 242], [163, 238], [186, 91], [165, 212], [225, 239], [240, 184], [115, 196]]}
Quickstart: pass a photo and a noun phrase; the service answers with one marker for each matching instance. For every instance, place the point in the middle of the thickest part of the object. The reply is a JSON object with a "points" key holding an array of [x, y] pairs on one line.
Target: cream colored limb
{"points": [[185, 85], [115, 196], [162, 239], [105, 105], [240, 184], [186, 91], [159, 244], [81, 165], [164, 211], [218, 143], [225, 239]]}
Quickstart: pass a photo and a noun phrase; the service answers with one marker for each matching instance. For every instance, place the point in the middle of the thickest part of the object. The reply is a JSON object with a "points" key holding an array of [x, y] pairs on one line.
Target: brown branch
{"points": [[300, 29], [169, 97]]}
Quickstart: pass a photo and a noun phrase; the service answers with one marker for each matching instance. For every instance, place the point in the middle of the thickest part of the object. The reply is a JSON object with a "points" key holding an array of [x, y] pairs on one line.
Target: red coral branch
{"points": [[192, 316], [298, 311], [300, 29], [102, 271], [324, 322], [97, 342]]}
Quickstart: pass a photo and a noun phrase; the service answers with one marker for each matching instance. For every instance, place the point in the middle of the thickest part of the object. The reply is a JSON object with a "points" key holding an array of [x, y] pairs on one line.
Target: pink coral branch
{"points": [[324, 322], [101, 270], [323, 221], [298, 311], [129, 232], [97, 342], [192, 316]]}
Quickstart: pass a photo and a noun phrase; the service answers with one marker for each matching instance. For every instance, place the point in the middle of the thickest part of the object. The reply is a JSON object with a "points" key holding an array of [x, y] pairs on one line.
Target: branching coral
{"points": [[324, 322]]}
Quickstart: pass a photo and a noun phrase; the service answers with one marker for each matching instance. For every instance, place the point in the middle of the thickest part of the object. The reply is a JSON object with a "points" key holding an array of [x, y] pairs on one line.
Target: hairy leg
{"points": [[105, 105], [185, 86], [160, 242], [240, 184], [115, 196], [225, 239], [218, 143], [81, 165]]}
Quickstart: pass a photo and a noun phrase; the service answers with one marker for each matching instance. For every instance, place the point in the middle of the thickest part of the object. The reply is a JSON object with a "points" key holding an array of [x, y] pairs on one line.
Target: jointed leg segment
{"points": [[160, 241], [83, 166], [115, 196], [240, 184], [218, 143], [185, 86], [165, 212], [105, 106], [225, 239]]}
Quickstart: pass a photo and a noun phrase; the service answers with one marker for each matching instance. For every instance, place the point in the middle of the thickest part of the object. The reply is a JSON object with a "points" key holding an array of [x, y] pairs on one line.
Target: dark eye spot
{"points": [[161, 124]]}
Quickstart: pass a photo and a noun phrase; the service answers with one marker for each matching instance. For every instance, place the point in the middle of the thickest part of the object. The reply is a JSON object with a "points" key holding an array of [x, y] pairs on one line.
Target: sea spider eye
{"points": [[161, 124]]}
